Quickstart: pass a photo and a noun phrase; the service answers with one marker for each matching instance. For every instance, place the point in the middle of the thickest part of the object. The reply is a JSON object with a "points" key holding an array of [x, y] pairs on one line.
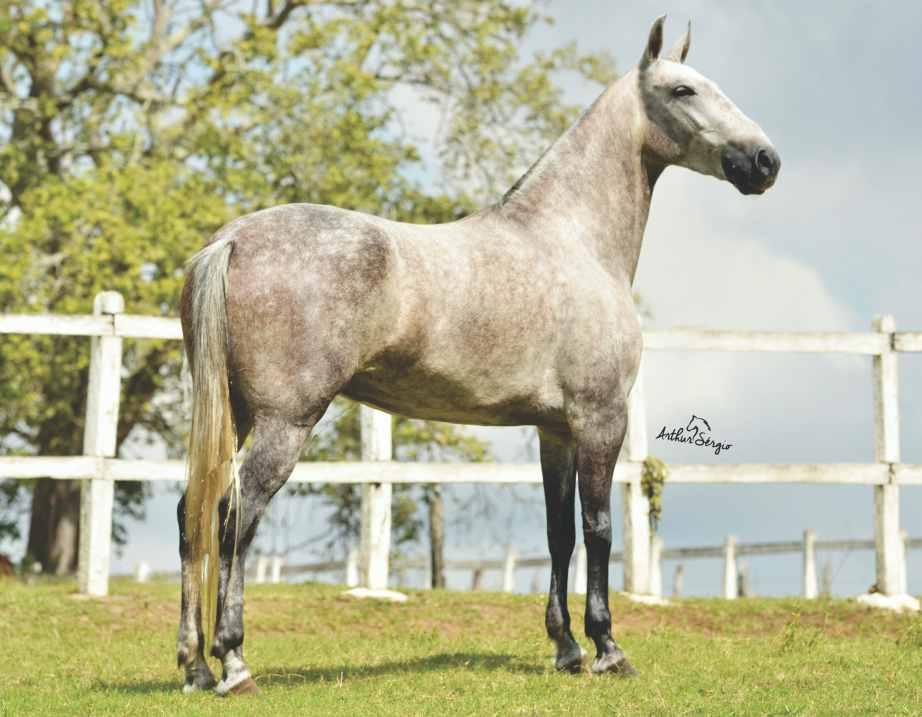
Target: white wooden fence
{"points": [[273, 568], [99, 466]]}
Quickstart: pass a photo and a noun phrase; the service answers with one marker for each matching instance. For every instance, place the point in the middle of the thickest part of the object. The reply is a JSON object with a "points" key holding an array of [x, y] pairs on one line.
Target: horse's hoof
{"points": [[614, 662], [198, 678], [199, 685], [246, 686], [571, 661]]}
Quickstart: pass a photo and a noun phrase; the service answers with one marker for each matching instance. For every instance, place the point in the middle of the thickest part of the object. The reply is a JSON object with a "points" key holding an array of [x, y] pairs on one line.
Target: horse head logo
{"points": [[695, 422]]}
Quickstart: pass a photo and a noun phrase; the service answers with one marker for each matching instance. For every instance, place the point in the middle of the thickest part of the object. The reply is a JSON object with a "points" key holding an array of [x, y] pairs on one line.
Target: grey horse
{"points": [[521, 314]]}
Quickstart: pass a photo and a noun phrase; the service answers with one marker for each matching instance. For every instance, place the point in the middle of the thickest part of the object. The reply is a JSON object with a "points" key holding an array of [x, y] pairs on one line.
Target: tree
{"points": [[133, 129]]}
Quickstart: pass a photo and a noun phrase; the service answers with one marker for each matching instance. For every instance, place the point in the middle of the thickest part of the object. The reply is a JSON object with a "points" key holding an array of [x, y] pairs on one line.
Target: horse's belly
{"points": [[478, 401]]}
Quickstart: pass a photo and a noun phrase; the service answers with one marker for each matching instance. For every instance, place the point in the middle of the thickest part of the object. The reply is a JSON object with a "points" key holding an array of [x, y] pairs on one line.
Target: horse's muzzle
{"points": [[753, 171]]}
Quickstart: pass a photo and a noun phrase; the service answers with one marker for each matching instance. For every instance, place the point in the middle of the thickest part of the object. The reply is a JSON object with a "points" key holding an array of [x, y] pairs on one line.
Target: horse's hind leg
{"points": [[190, 652], [558, 466], [190, 647], [272, 456]]}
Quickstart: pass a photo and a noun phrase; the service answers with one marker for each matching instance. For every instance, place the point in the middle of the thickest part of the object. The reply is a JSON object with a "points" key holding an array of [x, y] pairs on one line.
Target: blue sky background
{"points": [[837, 88]]}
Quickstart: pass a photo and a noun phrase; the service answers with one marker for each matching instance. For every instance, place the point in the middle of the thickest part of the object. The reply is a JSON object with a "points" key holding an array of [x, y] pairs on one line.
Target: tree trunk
{"points": [[55, 525], [436, 536]]}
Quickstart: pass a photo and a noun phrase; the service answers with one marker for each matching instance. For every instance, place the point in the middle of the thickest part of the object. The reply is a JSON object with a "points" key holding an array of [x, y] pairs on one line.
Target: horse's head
{"points": [[691, 123]]}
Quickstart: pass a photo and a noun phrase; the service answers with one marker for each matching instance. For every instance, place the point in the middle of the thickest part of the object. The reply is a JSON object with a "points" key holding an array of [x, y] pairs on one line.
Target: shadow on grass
{"points": [[270, 676]]}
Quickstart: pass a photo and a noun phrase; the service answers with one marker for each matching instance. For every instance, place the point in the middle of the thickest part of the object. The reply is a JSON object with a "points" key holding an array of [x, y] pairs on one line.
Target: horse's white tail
{"points": [[212, 469]]}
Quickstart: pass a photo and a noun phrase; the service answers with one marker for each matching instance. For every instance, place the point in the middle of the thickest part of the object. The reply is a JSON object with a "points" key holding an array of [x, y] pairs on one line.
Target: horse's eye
{"points": [[682, 91]]}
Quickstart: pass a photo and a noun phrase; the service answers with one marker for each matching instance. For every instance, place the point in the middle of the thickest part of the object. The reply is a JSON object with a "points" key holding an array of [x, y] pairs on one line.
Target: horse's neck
{"points": [[592, 183]]}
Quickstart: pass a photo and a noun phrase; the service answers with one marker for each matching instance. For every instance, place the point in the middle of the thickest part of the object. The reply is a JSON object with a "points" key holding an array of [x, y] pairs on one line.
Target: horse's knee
{"points": [[597, 532]]}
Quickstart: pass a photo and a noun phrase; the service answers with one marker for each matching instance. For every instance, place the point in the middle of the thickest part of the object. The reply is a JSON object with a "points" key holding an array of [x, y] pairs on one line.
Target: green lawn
{"points": [[315, 652]]}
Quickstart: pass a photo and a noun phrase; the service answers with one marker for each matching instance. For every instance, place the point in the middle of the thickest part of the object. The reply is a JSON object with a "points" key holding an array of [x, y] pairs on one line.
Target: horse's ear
{"points": [[654, 42], [679, 51]]}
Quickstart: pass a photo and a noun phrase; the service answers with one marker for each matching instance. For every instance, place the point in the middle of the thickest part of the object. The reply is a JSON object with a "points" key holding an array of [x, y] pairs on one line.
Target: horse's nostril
{"points": [[765, 161]]}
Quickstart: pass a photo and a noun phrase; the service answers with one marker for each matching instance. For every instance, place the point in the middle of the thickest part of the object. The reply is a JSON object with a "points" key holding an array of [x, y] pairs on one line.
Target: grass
{"points": [[316, 652]]}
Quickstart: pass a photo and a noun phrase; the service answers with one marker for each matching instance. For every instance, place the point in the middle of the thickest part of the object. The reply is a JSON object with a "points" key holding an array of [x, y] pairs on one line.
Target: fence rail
{"points": [[273, 568], [98, 468]]}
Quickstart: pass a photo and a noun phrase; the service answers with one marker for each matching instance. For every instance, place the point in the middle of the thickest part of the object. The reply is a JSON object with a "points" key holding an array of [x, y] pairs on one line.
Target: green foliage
{"points": [[130, 131], [10, 508], [652, 479]]}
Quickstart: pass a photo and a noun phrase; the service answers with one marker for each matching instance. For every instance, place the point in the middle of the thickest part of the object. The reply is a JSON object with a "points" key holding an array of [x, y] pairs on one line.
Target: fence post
{"points": [[810, 587], [826, 588], [262, 566], [580, 578], [476, 579], [374, 551], [99, 439], [276, 569], [731, 588], [509, 570], [352, 567], [742, 580], [678, 581], [887, 450], [635, 508], [904, 576], [656, 571]]}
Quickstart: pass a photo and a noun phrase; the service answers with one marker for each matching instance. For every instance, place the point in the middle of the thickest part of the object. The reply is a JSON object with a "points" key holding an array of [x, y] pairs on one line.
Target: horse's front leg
{"points": [[190, 649], [599, 444], [558, 467]]}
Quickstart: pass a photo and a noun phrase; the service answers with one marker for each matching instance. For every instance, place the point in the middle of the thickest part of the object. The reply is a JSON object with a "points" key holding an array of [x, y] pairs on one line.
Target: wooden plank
{"points": [[375, 539], [417, 473], [796, 342], [99, 440], [57, 467], [907, 341], [907, 474], [887, 450], [776, 548], [810, 585], [742, 473], [845, 545], [635, 508], [731, 575], [126, 469], [509, 569], [74, 325], [70, 467], [581, 574], [147, 327], [656, 567]]}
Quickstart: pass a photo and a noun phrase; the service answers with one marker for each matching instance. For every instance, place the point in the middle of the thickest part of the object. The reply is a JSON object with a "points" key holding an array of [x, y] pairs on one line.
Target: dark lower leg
{"points": [[272, 457], [558, 466], [596, 466], [190, 653]]}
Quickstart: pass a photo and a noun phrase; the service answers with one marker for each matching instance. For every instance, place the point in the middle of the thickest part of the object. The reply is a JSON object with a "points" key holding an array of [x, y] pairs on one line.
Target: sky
{"points": [[836, 86]]}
